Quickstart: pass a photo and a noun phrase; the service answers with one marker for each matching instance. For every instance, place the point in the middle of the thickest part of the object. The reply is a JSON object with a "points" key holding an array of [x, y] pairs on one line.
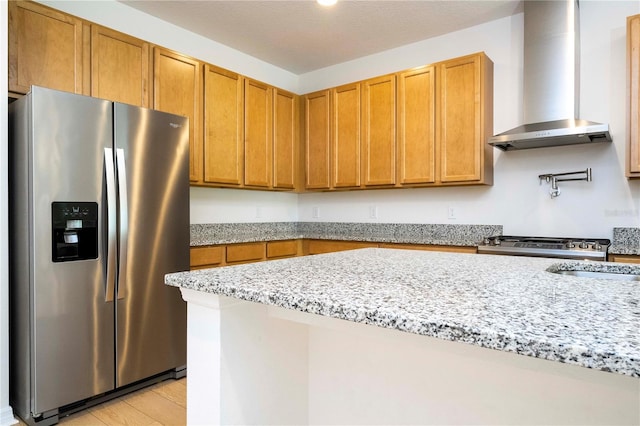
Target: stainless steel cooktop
{"points": [[563, 248]]}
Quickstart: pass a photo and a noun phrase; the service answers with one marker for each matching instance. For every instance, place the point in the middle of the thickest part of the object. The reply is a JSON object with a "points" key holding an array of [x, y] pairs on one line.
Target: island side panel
{"points": [[271, 365], [362, 374], [243, 366]]}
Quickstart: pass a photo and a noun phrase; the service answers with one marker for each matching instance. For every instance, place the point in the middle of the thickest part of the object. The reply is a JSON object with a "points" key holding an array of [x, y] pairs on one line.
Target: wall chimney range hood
{"points": [[551, 81]]}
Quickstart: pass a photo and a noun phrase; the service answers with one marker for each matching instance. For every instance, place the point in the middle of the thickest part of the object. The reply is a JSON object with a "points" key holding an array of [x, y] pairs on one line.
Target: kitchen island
{"points": [[398, 336]]}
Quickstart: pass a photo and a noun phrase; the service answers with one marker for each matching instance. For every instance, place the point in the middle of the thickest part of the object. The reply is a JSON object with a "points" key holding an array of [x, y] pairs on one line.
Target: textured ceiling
{"points": [[301, 36]]}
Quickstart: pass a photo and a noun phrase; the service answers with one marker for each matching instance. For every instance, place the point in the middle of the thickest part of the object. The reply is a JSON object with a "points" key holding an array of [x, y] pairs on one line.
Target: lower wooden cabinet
{"points": [[234, 254], [207, 256], [624, 258]]}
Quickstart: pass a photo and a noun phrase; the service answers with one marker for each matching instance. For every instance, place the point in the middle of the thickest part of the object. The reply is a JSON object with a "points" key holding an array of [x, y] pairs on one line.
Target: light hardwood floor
{"points": [[164, 404]]}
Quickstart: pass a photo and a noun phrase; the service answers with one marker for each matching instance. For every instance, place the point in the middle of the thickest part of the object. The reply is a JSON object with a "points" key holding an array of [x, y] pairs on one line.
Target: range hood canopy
{"points": [[551, 81]]}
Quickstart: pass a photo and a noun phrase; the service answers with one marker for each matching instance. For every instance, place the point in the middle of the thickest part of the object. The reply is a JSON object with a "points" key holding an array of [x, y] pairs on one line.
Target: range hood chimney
{"points": [[551, 81]]}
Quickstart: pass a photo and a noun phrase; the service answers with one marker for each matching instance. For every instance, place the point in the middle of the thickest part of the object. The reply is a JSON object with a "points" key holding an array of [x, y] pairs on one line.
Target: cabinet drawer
{"points": [[624, 258], [245, 252], [202, 256], [326, 246], [282, 248]]}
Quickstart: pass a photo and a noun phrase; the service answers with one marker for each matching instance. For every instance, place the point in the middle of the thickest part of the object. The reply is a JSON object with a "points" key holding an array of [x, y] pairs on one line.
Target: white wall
{"points": [[211, 205]]}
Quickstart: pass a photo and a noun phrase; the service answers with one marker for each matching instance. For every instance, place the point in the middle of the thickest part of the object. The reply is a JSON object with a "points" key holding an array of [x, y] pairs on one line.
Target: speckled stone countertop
{"points": [[438, 234], [625, 241], [507, 303]]}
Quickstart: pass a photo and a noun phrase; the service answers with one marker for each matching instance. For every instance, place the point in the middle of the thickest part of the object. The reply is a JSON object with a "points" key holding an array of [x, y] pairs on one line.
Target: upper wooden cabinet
{"points": [[223, 127], [379, 131], [119, 67], [258, 134], [416, 126], [317, 139], [177, 89], [243, 133], [345, 136], [45, 49], [465, 119], [633, 106], [426, 126], [285, 139]]}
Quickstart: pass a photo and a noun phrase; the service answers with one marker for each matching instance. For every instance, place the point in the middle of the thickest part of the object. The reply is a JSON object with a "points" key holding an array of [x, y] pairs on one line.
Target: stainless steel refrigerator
{"points": [[99, 213]]}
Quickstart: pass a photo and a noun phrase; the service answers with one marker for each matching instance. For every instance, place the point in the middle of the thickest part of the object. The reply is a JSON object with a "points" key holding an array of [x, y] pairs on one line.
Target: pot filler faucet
{"points": [[554, 179]]}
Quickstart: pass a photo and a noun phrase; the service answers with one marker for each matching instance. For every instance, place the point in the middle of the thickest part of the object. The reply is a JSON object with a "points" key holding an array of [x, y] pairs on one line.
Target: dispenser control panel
{"points": [[74, 227]]}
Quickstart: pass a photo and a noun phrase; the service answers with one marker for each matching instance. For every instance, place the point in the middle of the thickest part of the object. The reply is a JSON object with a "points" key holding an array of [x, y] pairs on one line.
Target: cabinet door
{"points": [[416, 126], [45, 48], [285, 139], [223, 140], [317, 136], [119, 67], [346, 136], [463, 121], [258, 133], [177, 88], [633, 108], [379, 130]]}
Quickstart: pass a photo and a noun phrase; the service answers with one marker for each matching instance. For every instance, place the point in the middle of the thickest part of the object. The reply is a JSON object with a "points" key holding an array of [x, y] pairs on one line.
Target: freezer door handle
{"points": [[124, 221], [110, 224]]}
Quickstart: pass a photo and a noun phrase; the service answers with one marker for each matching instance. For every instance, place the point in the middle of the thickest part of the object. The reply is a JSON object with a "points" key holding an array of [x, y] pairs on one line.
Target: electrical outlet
{"points": [[373, 212], [258, 212], [315, 212], [451, 213]]}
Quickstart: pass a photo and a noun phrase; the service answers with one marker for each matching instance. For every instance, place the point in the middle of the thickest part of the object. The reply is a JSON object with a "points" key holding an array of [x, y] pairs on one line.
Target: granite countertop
{"points": [[409, 233], [625, 241], [507, 303]]}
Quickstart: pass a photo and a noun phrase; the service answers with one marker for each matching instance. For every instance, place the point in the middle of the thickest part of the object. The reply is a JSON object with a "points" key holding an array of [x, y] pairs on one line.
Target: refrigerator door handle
{"points": [[124, 221], [110, 224]]}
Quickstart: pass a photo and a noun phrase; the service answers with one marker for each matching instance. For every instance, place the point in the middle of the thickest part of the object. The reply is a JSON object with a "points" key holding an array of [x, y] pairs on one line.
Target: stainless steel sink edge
{"points": [[598, 270]]}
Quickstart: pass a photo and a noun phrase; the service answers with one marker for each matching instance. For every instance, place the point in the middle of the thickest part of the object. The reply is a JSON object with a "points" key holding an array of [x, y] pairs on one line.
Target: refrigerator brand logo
{"points": [[175, 125]]}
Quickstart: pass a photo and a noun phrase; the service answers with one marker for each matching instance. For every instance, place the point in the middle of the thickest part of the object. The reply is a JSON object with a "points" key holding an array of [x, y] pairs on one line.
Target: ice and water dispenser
{"points": [[75, 231]]}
